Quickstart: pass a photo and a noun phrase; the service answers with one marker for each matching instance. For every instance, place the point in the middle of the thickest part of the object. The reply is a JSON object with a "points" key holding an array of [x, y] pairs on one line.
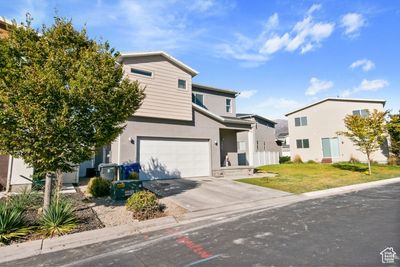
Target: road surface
{"points": [[344, 230]]}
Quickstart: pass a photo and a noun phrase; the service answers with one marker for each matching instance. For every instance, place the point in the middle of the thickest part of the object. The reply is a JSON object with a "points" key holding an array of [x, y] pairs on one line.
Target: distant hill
{"points": [[281, 127]]}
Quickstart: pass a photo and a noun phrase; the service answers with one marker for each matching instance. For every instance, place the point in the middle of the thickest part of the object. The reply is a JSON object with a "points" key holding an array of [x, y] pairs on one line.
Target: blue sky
{"points": [[280, 54]]}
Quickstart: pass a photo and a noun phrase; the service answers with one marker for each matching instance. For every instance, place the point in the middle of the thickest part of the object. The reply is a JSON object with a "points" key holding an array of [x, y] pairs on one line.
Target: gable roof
{"points": [[214, 89], [338, 100], [170, 58], [222, 119], [248, 115]]}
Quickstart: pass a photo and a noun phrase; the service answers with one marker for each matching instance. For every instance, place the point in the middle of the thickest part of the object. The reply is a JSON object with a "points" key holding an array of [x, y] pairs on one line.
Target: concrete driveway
{"points": [[196, 194]]}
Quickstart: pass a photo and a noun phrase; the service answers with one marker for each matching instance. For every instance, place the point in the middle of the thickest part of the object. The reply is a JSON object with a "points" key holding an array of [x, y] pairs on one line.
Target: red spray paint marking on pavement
{"points": [[187, 242]]}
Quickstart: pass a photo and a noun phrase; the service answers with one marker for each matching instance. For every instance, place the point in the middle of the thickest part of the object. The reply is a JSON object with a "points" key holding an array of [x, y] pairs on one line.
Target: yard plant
{"points": [[62, 96], [58, 219], [99, 187], [11, 223], [144, 205]]}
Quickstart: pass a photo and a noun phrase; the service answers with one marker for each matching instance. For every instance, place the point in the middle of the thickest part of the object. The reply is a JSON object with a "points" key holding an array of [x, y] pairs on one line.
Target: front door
{"points": [[330, 147]]}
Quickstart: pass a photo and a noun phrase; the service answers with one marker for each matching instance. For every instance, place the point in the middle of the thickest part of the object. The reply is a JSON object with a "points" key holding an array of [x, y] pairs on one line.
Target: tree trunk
{"points": [[369, 165], [59, 183], [47, 192]]}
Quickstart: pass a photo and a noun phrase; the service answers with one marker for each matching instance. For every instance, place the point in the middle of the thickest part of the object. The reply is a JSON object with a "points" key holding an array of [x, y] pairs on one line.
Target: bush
{"points": [[393, 160], [311, 162], [11, 223], [133, 176], [144, 204], [99, 187], [284, 159], [58, 219], [297, 159], [25, 200]]}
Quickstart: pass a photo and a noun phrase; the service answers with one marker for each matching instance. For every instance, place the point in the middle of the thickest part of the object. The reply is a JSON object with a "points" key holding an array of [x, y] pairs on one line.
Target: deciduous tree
{"points": [[367, 133], [393, 127], [62, 95]]}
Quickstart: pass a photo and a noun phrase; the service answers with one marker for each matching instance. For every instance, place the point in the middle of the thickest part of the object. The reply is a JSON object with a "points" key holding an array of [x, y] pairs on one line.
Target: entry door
{"points": [[330, 147], [173, 158]]}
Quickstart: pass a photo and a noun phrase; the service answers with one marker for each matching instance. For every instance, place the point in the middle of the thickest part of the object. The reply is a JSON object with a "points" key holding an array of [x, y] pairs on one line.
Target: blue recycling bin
{"points": [[126, 169]]}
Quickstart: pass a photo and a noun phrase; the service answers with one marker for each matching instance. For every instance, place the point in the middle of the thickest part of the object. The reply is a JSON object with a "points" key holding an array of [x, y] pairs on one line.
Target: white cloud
{"points": [[366, 86], [247, 93], [364, 64], [317, 86], [372, 85], [304, 36], [352, 23]]}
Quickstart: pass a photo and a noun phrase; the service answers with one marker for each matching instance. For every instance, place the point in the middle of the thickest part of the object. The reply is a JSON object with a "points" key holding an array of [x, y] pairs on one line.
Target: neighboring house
{"points": [[313, 130], [182, 129], [260, 145], [284, 142]]}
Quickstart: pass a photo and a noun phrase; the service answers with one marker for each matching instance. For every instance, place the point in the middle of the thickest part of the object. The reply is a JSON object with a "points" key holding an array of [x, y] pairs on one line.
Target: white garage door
{"points": [[173, 158]]}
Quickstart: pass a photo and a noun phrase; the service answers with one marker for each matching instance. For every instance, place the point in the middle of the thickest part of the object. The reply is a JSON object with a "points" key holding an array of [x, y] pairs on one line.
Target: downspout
{"points": [[9, 174]]}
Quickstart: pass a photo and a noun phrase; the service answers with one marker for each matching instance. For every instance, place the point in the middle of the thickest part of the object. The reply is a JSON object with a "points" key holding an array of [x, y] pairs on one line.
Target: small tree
{"points": [[393, 127], [367, 133], [62, 95]]}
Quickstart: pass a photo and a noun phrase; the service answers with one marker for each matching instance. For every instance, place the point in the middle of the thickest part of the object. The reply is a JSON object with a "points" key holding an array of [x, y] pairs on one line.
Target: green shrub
{"points": [[99, 187], [25, 200], [144, 204], [311, 162], [297, 159], [11, 223], [284, 159], [133, 176], [58, 219]]}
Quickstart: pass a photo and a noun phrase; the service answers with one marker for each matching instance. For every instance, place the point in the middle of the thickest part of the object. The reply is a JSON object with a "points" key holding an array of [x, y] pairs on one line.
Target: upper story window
{"points": [[181, 84], [300, 121], [361, 112], [303, 143], [142, 72], [198, 99], [228, 105]]}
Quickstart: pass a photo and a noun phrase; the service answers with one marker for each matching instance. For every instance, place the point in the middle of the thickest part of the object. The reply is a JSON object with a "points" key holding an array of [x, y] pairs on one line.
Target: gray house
{"points": [[183, 129]]}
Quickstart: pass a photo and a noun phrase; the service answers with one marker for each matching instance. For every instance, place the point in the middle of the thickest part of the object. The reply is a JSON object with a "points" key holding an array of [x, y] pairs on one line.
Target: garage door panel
{"points": [[173, 158]]}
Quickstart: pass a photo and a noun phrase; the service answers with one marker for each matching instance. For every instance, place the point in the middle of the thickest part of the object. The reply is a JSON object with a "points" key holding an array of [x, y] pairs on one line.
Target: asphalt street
{"points": [[344, 230]]}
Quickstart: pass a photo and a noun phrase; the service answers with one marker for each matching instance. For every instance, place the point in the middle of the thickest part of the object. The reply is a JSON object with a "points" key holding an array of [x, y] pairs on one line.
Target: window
{"points": [[181, 84], [257, 146], [361, 112], [142, 72], [228, 103], [198, 99], [300, 121], [303, 143], [242, 146]]}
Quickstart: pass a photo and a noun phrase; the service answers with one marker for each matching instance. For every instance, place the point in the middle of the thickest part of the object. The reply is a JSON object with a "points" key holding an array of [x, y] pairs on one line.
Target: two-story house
{"points": [[182, 129], [313, 130]]}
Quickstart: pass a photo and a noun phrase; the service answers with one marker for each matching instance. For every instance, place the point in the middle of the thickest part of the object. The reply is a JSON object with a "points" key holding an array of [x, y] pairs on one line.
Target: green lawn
{"points": [[300, 178]]}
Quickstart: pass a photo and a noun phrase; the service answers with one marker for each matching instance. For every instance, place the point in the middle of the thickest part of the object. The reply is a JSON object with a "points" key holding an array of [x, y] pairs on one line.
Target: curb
{"points": [[36, 247]]}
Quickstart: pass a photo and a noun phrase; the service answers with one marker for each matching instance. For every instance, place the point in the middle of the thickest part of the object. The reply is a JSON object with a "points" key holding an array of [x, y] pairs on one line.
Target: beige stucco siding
{"points": [[324, 120], [202, 127], [163, 97]]}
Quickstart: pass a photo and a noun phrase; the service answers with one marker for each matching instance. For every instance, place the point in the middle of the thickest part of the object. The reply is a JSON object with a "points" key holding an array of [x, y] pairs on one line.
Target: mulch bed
{"points": [[87, 219]]}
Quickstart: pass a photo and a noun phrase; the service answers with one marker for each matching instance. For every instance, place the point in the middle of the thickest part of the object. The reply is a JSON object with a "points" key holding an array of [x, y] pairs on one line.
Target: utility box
{"points": [[108, 171], [123, 189]]}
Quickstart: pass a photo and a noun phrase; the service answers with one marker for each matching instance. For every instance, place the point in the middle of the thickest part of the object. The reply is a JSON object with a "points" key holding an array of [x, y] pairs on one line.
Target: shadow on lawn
{"points": [[351, 167]]}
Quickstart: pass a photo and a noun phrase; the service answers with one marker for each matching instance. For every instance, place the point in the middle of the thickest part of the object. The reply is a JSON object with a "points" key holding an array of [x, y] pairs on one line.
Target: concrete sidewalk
{"points": [[32, 248]]}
